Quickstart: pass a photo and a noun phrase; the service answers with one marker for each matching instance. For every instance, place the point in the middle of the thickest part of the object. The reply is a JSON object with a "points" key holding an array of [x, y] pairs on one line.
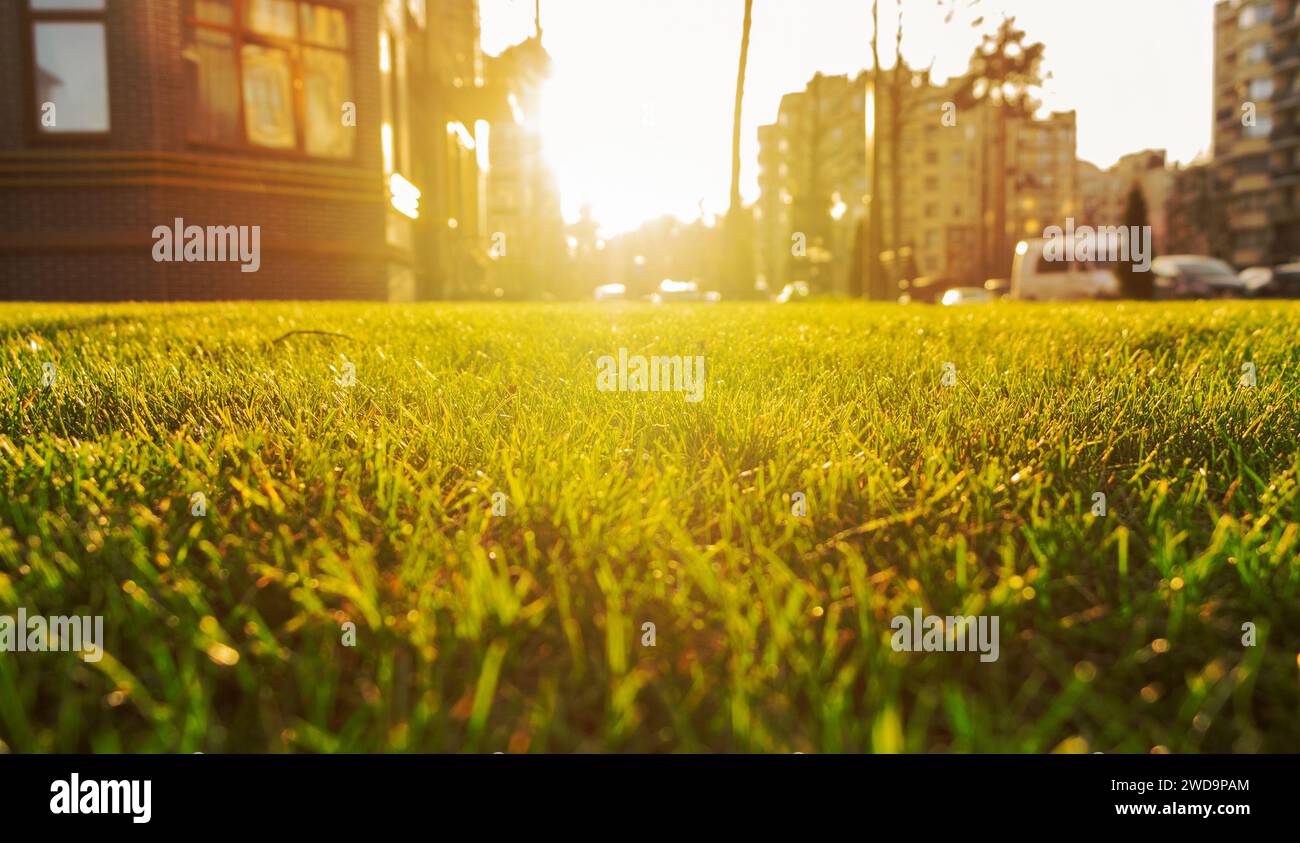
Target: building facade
{"points": [[814, 181], [313, 121], [1196, 217], [938, 173], [813, 184], [1104, 193], [1249, 136], [524, 222], [1043, 180], [1284, 164]]}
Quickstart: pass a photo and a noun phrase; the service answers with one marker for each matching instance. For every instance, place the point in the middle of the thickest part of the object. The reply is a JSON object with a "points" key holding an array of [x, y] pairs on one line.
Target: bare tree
{"points": [[1004, 71], [871, 253], [906, 88], [902, 91]]}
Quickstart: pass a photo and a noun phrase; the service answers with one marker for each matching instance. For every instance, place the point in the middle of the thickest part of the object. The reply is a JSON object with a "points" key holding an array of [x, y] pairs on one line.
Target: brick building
{"points": [[323, 122]]}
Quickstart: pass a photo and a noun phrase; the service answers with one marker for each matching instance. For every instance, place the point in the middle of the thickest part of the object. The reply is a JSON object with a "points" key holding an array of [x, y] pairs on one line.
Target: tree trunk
{"points": [[895, 270], [897, 89], [1000, 250], [740, 98], [738, 244], [982, 229], [874, 286]]}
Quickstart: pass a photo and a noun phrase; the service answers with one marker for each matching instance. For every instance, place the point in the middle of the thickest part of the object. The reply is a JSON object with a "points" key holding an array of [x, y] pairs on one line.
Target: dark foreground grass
{"points": [[371, 505]]}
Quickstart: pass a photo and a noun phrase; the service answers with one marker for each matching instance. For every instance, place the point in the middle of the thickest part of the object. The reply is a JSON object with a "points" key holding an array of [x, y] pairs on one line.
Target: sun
{"points": [[633, 146], [599, 142]]}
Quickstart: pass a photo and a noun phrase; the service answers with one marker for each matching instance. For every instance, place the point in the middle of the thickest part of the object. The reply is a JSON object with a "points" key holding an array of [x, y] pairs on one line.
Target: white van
{"points": [[1036, 278]]}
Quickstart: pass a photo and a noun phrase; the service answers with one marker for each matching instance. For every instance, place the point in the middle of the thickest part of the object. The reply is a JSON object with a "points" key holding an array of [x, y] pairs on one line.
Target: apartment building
{"points": [[814, 180], [939, 180], [813, 184], [1042, 179], [1247, 133], [1104, 193], [1284, 164]]}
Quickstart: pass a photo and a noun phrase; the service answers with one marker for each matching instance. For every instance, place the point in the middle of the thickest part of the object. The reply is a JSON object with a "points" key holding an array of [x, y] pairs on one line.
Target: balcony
{"points": [[1287, 58], [1283, 214], [1284, 101], [1284, 133], [1284, 165], [1287, 21]]}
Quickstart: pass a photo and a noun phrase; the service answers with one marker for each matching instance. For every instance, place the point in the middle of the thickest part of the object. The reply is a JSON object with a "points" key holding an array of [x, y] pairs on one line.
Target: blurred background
{"points": [[913, 150]]}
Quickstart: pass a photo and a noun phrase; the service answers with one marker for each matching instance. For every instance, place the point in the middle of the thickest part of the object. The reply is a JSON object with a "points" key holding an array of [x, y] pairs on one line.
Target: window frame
{"points": [[28, 18], [240, 34]]}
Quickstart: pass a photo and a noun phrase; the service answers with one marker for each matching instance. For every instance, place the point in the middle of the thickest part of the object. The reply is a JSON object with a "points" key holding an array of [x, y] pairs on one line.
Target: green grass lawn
{"points": [[371, 504]]}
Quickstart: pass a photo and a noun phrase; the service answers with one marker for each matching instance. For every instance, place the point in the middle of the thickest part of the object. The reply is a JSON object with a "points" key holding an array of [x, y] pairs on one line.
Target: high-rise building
{"points": [[938, 175], [1248, 134], [1042, 188], [815, 190], [1285, 137], [949, 184], [813, 183]]}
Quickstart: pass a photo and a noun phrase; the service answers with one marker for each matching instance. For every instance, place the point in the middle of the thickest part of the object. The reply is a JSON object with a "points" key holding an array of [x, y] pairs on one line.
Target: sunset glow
{"points": [[651, 82]]}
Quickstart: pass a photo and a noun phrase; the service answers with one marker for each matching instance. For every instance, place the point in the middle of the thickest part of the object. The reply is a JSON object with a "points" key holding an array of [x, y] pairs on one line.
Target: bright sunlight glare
{"points": [[637, 113]]}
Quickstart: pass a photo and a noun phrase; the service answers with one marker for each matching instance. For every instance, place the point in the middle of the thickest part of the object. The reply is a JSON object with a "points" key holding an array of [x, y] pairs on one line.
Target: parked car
{"points": [[1272, 282], [1035, 277], [611, 292], [1195, 277], [998, 287], [797, 291], [670, 291], [685, 291], [925, 288], [966, 295]]}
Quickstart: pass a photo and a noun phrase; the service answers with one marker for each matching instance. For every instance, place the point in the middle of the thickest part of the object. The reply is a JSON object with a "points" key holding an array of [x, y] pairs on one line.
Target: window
{"points": [[1254, 15], [1261, 89], [69, 67], [1250, 203], [1263, 125], [393, 130], [1047, 266], [1252, 164], [270, 74], [1255, 53]]}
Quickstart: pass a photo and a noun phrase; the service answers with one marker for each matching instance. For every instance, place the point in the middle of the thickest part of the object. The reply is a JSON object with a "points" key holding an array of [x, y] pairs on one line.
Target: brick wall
{"points": [[76, 222]]}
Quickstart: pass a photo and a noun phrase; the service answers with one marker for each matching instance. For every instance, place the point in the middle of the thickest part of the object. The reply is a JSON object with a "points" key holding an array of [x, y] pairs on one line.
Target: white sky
{"points": [[638, 114]]}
